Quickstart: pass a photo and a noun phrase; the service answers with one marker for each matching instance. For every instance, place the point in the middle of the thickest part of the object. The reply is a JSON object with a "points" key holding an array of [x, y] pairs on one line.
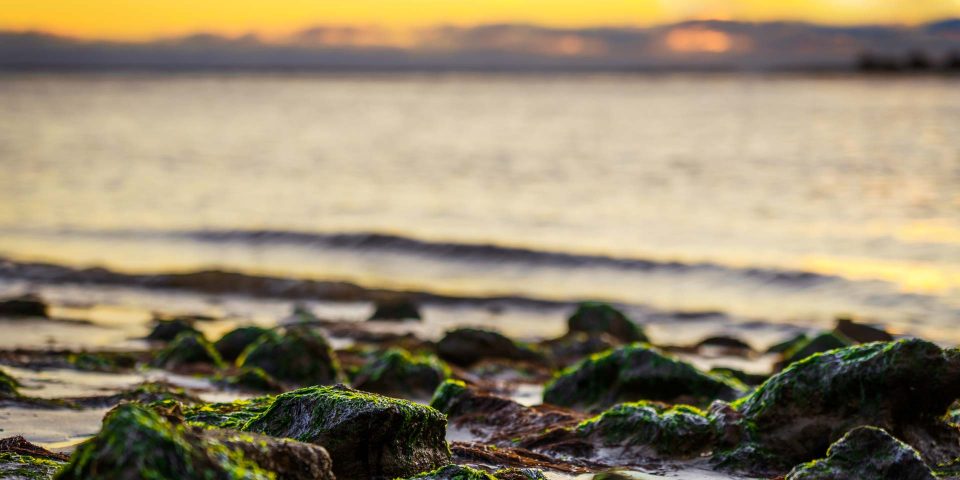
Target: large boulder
{"points": [[904, 387], [393, 309], [465, 346], [298, 355], [234, 342], [635, 372], [136, 443], [368, 435], [597, 318], [866, 452], [652, 429], [398, 373], [189, 350]]}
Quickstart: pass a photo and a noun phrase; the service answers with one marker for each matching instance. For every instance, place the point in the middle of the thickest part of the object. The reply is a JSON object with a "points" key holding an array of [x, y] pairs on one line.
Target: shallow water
{"points": [[850, 177]]}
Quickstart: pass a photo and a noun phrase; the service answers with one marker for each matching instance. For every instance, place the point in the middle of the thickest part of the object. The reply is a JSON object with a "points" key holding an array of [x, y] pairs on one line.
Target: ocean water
{"points": [[786, 199]]}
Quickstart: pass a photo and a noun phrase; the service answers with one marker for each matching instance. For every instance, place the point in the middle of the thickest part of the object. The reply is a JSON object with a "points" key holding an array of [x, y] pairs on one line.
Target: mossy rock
{"points": [[575, 346], [750, 379], [111, 362], [137, 443], [9, 386], [297, 355], [454, 472], [23, 306], [283, 459], [167, 329], [15, 466], [893, 385], [678, 431], [788, 344], [368, 435], [866, 452], [396, 309], [188, 350], [465, 346], [398, 373], [446, 395], [823, 342], [234, 342], [252, 380], [631, 373], [227, 415], [597, 317], [860, 332], [519, 474]]}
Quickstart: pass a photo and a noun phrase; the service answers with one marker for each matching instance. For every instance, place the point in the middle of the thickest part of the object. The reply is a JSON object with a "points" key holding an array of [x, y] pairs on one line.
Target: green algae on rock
{"points": [[167, 329], [188, 350], [519, 474], [597, 317], [14, 466], [823, 342], [631, 373], [8, 386], [398, 373], [298, 355], [866, 452], [234, 342], [680, 430], [250, 379], [227, 415], [454, 472], [367, 435], [465, 346], [904, 387], [136, 442]]}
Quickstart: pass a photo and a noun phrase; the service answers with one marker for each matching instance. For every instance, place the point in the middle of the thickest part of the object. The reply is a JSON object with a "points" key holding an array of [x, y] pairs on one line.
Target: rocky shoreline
{"points": [[323, 399]]}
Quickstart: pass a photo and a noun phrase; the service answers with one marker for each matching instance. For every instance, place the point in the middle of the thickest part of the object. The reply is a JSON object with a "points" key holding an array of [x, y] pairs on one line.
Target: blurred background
{"points": [[724, 163]]}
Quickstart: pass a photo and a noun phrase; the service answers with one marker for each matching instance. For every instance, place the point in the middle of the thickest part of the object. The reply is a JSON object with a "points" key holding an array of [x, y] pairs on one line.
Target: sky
{"points": [[151, 19]]}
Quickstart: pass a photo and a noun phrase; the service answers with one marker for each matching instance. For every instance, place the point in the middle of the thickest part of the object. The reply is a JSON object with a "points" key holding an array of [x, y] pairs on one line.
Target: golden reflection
{"points": [[911, 277], [698, 40]]}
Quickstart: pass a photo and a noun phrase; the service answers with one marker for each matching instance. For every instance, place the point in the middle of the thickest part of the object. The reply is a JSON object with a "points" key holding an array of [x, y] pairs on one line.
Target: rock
{"points": [[860, 332], [228, 415], [231, 345], [148, 392], [726, 343], [165, 330], [397, 373], [8, 386], [251, 379], [495, 420], [631, 373], [111, 362], [750, 379], [368, 435], [823, 342], [454, 472], [866, 452], [23, 306], [788, 344], [464, 346], [188, 350], [575, 346], [20, 459], [396, 309], [904, 387], [519, 474], [678, 431], [136, 442], [596, 317], [298, 355]]}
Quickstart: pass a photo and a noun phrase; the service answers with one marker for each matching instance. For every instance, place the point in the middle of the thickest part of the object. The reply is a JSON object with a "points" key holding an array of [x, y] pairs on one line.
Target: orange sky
{"points": [[145, 19]]}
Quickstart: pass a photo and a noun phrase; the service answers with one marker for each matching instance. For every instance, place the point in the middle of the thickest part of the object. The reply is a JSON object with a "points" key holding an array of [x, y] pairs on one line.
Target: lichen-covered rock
{"points": [[234, 342], [8, 386], [823, 342], [396, 309], [137, 443], [904, 387], [464, 346], [251, 379], [167, 329], [367, 435], [597, 317], [866, 452], [631, 373], [188, 350], [397, 373], [298, 355], [678, 431], [23, 306]]}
